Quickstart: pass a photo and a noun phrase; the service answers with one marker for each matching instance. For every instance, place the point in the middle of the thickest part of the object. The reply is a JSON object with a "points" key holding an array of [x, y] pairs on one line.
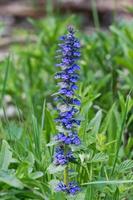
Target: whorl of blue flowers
{"points": [[68, 103]]}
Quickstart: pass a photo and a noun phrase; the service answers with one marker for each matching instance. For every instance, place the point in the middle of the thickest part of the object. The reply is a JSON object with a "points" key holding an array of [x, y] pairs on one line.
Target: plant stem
{"points": [[66, 176], [95, 14], [66, 169]]}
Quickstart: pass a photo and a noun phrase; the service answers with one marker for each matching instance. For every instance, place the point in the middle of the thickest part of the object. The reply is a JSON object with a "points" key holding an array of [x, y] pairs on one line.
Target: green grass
{"points": [[104, 167]]}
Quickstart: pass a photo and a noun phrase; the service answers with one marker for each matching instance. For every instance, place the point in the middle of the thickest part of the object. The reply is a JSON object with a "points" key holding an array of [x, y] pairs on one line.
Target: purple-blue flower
{"points": [[71, 138], [59, 157], [61, 187], [68, 105], [72, 188], [62, 158]]}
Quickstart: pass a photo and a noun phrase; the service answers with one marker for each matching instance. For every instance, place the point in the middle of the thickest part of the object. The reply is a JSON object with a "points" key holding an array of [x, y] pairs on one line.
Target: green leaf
{"points": [[112, 182], [55, 169], [75, 148], [116, 194], [99, 157], [94, 124], [30, 160], [125, 62], [36, 175], [10, 179], [13, 131], [90, 193], [124, 166], [111, 126], [78, 196], [5, 156], [59, 196], [53, 184], [49, 125], [52, 143], [129, 146]]}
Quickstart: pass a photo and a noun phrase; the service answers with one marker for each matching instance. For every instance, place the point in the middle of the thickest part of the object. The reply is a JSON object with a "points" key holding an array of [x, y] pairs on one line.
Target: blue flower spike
{"points": [[68, 106]]}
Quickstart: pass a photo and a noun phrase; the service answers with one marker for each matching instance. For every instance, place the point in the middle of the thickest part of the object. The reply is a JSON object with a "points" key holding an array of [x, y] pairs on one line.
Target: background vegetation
{"points": [[104, 168]]}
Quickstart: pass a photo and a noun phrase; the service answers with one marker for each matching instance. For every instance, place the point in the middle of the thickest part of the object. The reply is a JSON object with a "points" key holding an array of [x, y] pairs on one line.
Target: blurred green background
{"points": [[29, 36]]}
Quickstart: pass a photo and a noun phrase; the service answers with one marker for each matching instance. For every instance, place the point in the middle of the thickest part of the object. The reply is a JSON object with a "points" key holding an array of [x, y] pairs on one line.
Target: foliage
{"points": [[104, 161]]}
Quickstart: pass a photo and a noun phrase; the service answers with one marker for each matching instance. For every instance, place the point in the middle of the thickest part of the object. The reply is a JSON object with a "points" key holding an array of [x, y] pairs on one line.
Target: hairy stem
{"points": [[66, 176], [66, 169]]}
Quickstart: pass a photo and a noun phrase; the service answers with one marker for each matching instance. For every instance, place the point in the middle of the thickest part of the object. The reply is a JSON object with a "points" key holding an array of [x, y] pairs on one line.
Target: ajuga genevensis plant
{"points": [[67, 107]]}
